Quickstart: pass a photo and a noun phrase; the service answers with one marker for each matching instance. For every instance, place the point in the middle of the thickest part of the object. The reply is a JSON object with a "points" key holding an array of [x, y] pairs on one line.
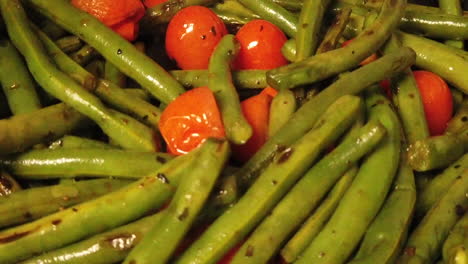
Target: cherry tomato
{"points": [[261, 43], [151, 3], [190, 119], [369, 59], [437, 100], [192, 35]]}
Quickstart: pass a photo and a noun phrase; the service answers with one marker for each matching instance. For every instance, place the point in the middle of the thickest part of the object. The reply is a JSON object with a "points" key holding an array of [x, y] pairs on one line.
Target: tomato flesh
{"points": [[261, 43], [192, 35]]}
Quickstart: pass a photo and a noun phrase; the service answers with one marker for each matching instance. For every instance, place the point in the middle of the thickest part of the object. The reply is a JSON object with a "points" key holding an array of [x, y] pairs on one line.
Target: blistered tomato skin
{"points": [[189, 120], [192, 35], [437, 101], [261, 43]]}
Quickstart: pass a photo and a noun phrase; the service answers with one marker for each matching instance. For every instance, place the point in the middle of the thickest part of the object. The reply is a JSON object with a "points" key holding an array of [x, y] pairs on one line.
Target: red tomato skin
{"points": [[189, 120], [437, 101], [192, 35], [260, 43]]}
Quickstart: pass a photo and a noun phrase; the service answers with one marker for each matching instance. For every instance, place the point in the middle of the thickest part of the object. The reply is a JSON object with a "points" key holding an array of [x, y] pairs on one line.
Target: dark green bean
{"points": [[335, 31], [69, 44], [85, 55], [114, 75]]}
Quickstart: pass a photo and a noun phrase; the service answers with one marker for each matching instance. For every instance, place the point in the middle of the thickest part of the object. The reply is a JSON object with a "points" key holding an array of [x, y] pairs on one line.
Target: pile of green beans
{"points": [[348, 174]]}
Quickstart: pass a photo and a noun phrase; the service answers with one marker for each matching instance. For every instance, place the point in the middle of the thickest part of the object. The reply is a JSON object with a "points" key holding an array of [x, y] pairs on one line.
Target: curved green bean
{"points": [[327, 64], [245, 79], [33, 203], [232, 226], [16, 81], [117, 50], [162, 240], [237, 128], [426, 240], [282, 108], [459, 121]]}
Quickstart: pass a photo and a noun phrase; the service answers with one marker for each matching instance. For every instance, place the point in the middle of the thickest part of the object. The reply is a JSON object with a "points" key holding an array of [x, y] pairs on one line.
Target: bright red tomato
{"points": [[192, 35], [151, 3], [437, 100], [190, 119], [261, 43]]}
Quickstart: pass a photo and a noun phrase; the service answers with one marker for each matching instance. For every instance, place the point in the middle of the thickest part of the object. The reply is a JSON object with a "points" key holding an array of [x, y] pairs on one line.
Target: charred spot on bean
{"points": [[464, 118], [56, 222], [145, 118], [27, 215], [203, 37], [411, 95], [285, 156], [457, 166], [305, 25], [352, 52], [162, 177], [250, 251], [274, 182], [161, 160], [119, 52], [15, 236], [75, 209], [132, 262], [184, 214], [459, 210], [230, 52], [213, 30], [410, 251]]}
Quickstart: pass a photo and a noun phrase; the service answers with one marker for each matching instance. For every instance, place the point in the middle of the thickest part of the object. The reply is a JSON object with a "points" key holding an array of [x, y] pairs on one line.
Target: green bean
{"points": [[106, 248], [308, 32], [233, 8], [84, 162], [96, 68], [109, 211], [327, 64], [232, 226], [84, 55], [61, 86], [292, 5], [456, 241], [408, 100], [274, 13], [31, 204], [237, 128], [106, 90], [362, 201], [440, 184], [312, 226], [436, 152], [69, 44], [74, 142], [123, 54], [383, 240], [282, 108], [8, 185], [457, 98], [162, 240], [52, 30], [289, 50], [138, 93], [26, 130], [230, 18], [426, 240], [246, 79], [162, 13], [452, 7], [16, 81], [300, 122], [459, 121], [306, 195], [335, 31], [438, 58], [114, 75]]}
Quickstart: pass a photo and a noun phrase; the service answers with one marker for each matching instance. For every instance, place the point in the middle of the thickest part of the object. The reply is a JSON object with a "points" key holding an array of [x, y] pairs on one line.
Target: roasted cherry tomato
{"points": [[121, 15], [151, 3], [190, 119], [256, 111], [192, 35], [261, 43], [437, 100]]}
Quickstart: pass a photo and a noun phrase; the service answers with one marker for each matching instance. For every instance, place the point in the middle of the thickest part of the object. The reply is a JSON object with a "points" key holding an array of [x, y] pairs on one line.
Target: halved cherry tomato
{"points": [[190, 119], [261, 43], [120, 15], [437, 100], [256, 110], [192, 35], [369, 59], [151, 3]]}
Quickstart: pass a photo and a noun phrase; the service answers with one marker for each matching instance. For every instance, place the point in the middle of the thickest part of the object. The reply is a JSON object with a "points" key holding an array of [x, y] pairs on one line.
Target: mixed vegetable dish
{"points": [[233, 131]]}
